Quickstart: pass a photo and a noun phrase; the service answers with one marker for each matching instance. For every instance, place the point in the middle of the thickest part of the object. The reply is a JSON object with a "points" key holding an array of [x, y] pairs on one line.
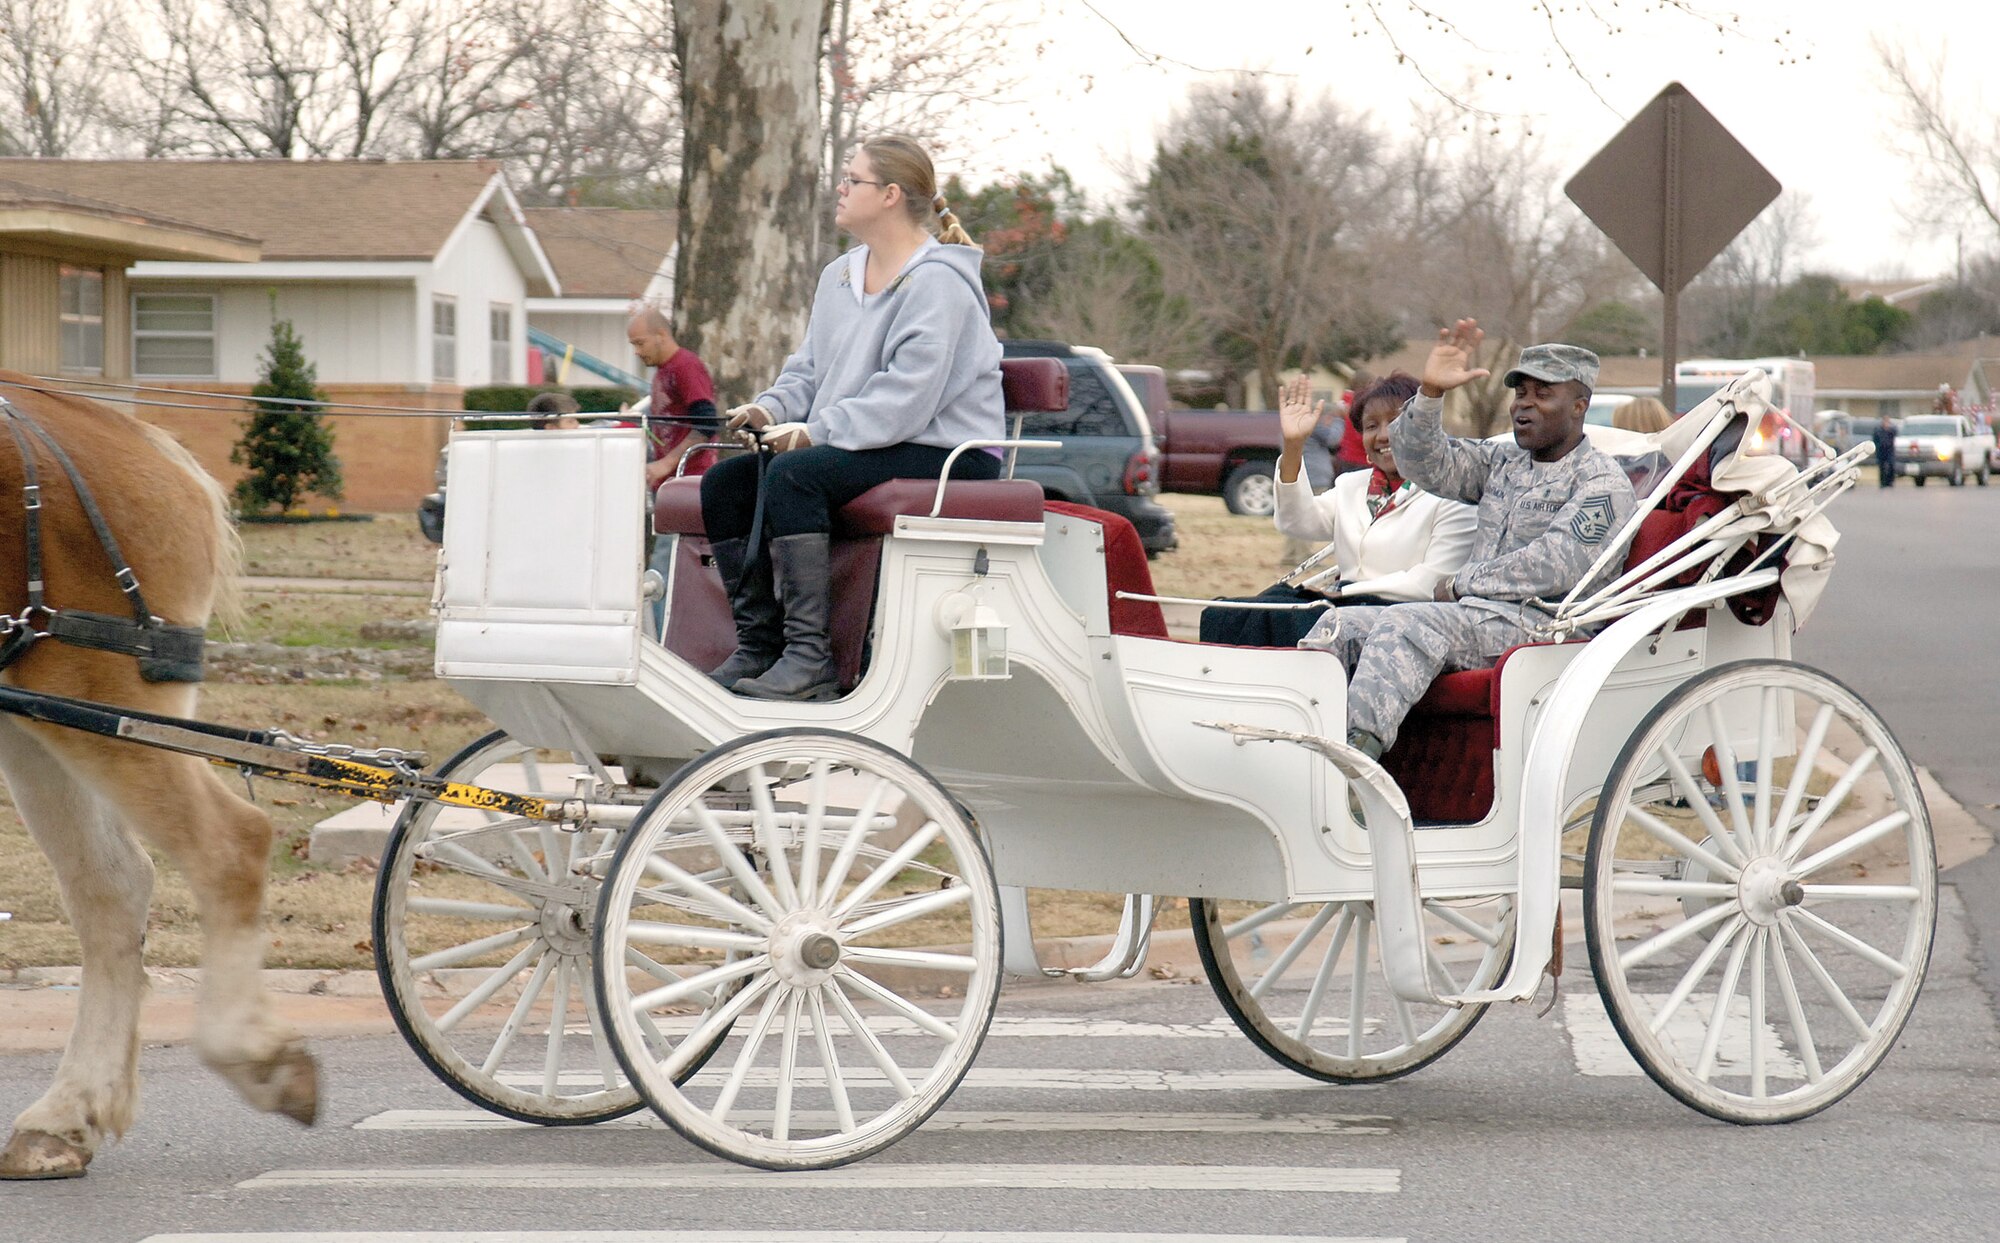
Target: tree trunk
{"points": [[750, 174]]}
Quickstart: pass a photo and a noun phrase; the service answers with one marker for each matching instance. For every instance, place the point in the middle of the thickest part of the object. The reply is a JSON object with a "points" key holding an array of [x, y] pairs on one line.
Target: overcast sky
{"points": [[1795, 81]]}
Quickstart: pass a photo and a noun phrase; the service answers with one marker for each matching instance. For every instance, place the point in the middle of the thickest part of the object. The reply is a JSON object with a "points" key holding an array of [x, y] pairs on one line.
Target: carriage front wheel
{"points": [[1304, 980], [1760, 892], [847, 901]]}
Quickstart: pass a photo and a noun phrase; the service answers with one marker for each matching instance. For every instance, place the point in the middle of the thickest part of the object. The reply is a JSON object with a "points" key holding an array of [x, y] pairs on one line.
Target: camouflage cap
{"points": [[1554, 363]]}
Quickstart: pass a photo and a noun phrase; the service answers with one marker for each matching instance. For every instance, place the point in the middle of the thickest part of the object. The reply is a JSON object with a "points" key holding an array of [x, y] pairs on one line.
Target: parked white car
{"points": [[1944, 444]]}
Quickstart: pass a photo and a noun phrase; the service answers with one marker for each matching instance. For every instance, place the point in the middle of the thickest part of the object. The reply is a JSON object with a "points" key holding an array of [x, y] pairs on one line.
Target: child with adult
{"points": [[1391, 542], [899, 367]]}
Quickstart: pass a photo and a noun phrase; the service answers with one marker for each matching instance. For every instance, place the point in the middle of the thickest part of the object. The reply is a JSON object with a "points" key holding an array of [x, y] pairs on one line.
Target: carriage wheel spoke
{"points": [[788, 1064], [1732, 786], [1440, 974], [721, 905], [463, 860], [836, 1078], [1719, 1018], [1291, 952], [1851, 843], [1317, 994], [1795, 1012], [1767, 745], [1833, 801], [523, 857], [1357, 1002], [558, 1020], [908, 909], [487, 987], [1405, 1021], [712, 1025], [1851, 942], [1673, 936], [925, 960], [491, 912], [647, 932], [908, 1009], [607, 1062], [1664, 833], [888, 868], [857, 832], [1697, 800], [693, 985], [1696, 973], [1817, 970], [1863, 893], [1257, 919], [1660, 887], [759, 1028], [472, 949], [661, 972], [1483, 933], [519, 1014], [767, 837], [877, 1053], [1759, 1088], [732, 858], [1804, 764], [809, 840]]}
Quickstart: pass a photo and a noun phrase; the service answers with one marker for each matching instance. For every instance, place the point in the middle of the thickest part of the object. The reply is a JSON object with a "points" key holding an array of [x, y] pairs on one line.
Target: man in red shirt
{"points": [[682, 390]]}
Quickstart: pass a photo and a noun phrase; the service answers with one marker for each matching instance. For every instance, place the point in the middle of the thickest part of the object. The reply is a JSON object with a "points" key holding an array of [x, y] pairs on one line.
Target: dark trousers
{"points": [[1885, 471], [804, 487], [1269, 627]]}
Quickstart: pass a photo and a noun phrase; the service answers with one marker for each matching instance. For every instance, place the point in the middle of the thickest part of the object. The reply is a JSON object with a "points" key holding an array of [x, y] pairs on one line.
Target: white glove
{"points": [[752, 416], [782, 436]]}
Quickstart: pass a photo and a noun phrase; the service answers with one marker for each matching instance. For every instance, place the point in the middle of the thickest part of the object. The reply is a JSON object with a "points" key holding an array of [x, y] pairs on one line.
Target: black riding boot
{"points": [[802, 568], [760, 634]]}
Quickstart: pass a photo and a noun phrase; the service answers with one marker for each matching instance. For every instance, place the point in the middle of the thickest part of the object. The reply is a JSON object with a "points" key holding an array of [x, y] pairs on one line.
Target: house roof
{"points": [[77, 222], [603, 252], [328, 209]]}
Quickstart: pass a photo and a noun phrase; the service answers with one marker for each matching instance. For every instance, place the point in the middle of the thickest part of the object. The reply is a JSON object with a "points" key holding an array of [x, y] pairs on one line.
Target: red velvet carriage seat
{"points": [[699, 627]]}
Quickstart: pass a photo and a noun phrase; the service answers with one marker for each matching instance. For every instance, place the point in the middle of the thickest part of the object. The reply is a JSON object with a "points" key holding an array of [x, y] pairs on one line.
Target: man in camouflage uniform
{"points": [[1547, 504]]}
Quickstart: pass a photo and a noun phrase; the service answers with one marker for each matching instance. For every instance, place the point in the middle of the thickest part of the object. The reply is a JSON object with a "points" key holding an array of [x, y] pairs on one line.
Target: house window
{"points": [[500, 338], [444, 338], [173, 334], [83, 319], [1890, 406]]}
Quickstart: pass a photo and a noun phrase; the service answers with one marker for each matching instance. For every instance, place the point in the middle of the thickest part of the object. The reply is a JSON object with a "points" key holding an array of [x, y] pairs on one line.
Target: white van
{"points": [[1696, 379]]}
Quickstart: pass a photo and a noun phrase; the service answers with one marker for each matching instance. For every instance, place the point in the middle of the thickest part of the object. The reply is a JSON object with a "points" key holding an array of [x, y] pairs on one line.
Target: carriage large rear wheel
{"points": [[862, 939], [1776, 898], [482, 931], [1304, 981]]}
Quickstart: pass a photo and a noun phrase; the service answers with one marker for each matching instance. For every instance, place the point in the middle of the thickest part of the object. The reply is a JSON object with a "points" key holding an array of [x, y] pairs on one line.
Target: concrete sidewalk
{"points": [[38, 1004]]}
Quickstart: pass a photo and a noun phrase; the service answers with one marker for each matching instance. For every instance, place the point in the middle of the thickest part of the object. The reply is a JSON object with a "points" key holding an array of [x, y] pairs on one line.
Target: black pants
{"points": [[804, 487], [1269, 627], [1885, 471]]}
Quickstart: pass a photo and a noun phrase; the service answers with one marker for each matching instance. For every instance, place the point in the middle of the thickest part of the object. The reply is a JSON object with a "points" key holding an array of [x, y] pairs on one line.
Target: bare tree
{"points": [[1495, 239], [1260, 207], [466, 84], [53, 63], [1727, 304], [749, 182], [1955, 156], [1106, 289], [908, 67]]}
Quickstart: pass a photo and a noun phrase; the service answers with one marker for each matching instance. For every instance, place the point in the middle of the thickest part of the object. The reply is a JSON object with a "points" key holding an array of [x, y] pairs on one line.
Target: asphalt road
{"points": [[1912, 622]]}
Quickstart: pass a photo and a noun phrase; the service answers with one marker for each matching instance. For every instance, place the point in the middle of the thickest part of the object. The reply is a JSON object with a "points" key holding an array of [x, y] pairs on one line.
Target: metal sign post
{"points": [[1710, 187]]}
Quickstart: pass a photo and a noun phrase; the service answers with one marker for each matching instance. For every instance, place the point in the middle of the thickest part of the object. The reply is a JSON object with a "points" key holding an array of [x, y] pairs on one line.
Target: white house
{"points": [[407, 282], [607, 258]]}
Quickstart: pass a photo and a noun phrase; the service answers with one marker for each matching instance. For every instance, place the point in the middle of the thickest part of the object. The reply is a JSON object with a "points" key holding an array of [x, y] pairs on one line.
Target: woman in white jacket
{"points": [[1391, 542]]}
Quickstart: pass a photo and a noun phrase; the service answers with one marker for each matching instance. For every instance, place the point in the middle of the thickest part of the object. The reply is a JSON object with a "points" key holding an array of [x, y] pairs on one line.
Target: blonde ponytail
{"points": [[950, 231]]}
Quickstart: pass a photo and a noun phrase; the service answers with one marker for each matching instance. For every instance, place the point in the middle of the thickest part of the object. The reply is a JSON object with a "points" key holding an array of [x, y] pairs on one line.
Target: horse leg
{"points": [[106, 882], [222, 844]]}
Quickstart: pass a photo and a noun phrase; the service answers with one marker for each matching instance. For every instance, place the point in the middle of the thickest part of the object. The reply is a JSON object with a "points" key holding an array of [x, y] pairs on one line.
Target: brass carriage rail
{"points": [[276, 755]]}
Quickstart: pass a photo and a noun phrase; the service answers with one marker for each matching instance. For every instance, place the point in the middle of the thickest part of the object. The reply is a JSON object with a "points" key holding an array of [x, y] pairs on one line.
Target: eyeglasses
{"points": [[848, 183]]}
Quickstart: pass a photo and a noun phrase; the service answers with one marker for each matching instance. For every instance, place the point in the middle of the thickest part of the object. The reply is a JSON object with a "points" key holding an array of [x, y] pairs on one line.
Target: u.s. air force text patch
{"points": [[1592, 521]]}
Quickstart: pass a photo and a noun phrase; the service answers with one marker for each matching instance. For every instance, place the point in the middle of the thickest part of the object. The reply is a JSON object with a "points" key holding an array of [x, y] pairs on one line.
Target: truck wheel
{"points": [[1252, 488], [1921, 479], [1985, 471], [1958, 472]]}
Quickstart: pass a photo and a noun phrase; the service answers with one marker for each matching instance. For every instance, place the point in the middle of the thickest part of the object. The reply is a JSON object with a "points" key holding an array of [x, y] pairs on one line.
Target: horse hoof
{"points": [[297, 1075], [38, 1154]]}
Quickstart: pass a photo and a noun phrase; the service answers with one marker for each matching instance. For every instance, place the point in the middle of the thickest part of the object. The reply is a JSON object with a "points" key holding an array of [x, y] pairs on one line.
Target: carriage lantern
{"points": [[978, 639]]}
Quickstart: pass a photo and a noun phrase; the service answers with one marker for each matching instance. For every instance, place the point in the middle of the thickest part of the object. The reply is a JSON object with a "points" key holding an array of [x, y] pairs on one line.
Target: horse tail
{"points": [[226, 604]]}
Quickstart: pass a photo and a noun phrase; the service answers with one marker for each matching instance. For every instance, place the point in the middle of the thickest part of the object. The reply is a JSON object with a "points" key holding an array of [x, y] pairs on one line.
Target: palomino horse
{"points": [[91, 801]]}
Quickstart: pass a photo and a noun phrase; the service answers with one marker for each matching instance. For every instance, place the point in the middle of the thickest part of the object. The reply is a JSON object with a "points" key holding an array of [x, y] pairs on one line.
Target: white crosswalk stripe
{"points": [[1026, 1079], [751, 1236], [870, 1176], [1595, 1044], [944, 1120]]}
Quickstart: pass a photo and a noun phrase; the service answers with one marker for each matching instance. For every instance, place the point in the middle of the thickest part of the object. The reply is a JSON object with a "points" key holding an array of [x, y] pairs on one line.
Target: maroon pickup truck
{"points": [[1228, 453]]}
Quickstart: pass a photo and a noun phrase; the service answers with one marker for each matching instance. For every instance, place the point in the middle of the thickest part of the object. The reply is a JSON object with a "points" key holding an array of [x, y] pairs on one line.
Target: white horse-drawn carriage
{"points": [[780, 924]]}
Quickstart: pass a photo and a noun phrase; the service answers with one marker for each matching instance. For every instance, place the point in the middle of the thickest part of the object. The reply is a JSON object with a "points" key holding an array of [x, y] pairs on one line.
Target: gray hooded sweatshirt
{"points": [[914, 364]]}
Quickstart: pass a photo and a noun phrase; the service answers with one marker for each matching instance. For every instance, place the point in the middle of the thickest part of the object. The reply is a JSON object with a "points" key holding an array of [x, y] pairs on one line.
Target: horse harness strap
{"points": [[166, 653]]}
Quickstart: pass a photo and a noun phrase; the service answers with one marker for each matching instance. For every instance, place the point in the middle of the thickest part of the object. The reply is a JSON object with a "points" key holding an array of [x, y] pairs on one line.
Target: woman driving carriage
{"points": [[899, 366], [1392, 542]]}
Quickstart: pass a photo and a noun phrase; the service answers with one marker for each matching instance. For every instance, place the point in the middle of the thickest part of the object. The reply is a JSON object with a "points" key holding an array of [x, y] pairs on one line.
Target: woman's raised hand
{"points": [[1297, 413], [1450, 361]]}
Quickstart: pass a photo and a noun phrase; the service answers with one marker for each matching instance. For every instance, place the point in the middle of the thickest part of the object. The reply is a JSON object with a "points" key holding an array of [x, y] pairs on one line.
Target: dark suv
{"points": [[1109, 459]]}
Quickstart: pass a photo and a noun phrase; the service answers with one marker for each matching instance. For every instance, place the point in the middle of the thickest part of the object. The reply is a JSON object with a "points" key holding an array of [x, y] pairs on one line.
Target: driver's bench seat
{"points": [[699, 627]]}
